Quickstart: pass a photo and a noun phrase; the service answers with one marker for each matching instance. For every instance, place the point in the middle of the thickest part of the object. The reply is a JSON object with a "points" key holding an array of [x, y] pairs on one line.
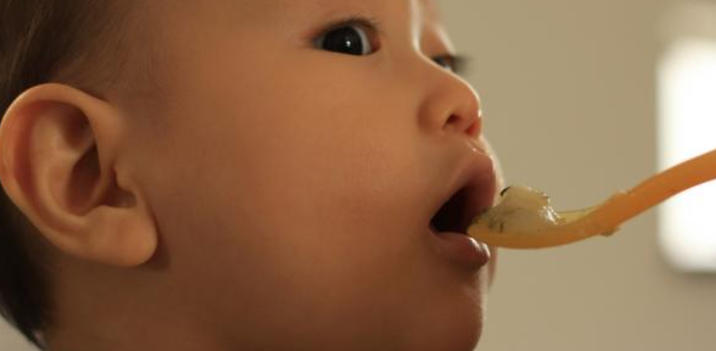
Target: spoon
{"points": [[524, 219]]}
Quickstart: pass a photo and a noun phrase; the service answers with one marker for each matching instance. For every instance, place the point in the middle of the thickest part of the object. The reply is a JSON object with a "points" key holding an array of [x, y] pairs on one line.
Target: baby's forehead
{"points": [[428, 9], [261, 13]]}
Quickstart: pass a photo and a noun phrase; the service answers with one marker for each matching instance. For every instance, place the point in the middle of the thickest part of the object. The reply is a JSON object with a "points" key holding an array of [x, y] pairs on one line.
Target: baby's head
{"points": [[254, 174]]}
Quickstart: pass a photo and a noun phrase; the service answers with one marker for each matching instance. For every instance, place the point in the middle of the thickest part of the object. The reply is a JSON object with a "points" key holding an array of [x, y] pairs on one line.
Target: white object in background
{"points": [[687, 128]]}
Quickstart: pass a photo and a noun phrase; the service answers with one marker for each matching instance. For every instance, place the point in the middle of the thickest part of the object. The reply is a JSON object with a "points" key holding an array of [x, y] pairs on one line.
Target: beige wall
{"points": [[568, 88], [569, 94]]}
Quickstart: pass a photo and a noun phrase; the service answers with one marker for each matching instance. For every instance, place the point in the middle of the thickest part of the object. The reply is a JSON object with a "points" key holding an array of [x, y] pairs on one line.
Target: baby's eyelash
{"points": [[460, 64]]}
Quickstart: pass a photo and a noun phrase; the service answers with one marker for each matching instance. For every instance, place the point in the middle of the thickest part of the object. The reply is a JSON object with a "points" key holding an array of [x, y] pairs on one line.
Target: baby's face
{"points": [[293, 182]]}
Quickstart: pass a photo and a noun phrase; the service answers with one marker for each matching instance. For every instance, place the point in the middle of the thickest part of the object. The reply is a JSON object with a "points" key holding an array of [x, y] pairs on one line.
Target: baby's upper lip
{"points": [[477, 177]]}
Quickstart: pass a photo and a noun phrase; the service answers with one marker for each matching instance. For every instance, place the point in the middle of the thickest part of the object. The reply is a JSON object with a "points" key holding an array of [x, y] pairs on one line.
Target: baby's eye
{"points": [[449, 62], [351, 39]]}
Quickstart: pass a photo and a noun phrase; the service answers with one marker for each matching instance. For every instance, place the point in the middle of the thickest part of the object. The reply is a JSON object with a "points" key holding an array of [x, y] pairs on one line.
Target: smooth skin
{"points": [[276, 196]]}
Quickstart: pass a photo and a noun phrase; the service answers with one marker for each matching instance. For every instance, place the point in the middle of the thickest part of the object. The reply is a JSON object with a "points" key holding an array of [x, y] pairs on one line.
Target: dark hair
{"points": [[42, 41]]}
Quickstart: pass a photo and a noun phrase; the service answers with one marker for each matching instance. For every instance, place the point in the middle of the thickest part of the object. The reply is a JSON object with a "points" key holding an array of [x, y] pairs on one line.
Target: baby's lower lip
{"points": [[461, 249]]}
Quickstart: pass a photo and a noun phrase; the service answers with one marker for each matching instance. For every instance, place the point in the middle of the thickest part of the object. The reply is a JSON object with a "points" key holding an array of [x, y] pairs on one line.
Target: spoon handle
{"points": [[655, 189]]}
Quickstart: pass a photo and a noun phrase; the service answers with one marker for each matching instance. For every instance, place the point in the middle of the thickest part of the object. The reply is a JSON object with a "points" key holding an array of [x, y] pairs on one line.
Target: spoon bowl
{"points": [[524, 218]]}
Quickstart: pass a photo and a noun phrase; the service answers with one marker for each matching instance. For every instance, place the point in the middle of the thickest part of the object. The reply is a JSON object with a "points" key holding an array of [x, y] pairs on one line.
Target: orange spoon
{"points": [[524, 219]]}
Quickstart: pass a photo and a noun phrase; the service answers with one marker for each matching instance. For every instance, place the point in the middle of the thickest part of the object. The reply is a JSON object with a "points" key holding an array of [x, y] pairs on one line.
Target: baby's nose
{"points": [[452, 105], [469, 123]]}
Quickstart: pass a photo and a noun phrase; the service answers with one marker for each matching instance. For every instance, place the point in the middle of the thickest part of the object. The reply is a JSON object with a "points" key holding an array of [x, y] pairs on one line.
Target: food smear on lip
{"points": [[521, 210]]}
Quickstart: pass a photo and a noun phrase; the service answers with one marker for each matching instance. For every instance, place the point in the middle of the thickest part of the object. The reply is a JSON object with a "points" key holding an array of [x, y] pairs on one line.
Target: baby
{"points": [[239, 175]]}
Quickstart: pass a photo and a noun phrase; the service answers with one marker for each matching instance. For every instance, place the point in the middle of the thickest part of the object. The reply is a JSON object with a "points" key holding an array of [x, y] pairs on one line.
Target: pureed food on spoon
{"points": [[524, 218], [521, 209]]}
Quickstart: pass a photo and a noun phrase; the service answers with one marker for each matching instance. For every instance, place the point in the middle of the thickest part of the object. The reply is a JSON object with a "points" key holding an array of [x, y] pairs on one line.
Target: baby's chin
{"points": [[455, 323], [458, 332], [462, 336]]}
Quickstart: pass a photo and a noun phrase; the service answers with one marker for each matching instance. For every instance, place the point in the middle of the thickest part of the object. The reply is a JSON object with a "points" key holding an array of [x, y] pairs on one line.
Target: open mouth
{"points": [[470, 193], [457, 212], [454, 215]]}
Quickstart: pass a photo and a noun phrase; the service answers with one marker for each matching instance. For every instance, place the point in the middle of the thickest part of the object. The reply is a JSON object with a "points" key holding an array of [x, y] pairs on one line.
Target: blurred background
{"points": [[583, 98], [580, 98]]}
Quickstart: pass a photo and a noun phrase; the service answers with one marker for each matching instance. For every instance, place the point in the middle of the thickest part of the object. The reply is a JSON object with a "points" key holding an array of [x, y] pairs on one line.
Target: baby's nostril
{"points": [[452, 119]]}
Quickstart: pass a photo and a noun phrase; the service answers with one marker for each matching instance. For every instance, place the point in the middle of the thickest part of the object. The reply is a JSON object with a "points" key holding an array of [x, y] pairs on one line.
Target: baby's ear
{"points": [[60, 163]]}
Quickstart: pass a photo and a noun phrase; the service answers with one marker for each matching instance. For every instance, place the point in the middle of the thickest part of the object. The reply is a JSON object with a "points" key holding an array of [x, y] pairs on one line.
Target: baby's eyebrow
{"points": [[359, 19]]}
